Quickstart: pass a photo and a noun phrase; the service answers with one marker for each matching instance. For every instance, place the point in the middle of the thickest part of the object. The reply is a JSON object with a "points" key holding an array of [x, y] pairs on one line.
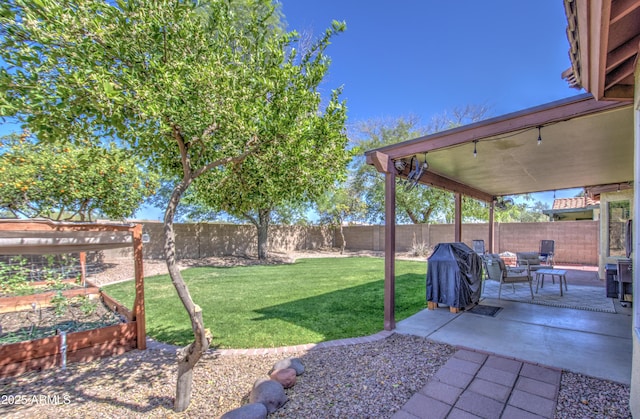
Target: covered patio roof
{"points": [[585, 143]]}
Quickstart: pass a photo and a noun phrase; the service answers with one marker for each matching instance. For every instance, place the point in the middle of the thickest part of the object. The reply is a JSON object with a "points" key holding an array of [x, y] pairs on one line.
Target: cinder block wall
{"points": [[576, 241], [201, 240]]}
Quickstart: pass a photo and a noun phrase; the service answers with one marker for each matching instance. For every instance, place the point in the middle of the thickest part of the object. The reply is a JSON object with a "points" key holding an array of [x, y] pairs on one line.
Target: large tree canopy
{"points": [[306, 156], [186, 85], [70, 181], [304, 152], [422, 204]]}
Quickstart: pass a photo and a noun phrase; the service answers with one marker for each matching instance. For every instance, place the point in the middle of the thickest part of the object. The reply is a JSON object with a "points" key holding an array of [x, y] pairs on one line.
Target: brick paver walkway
{"points": [[470, 385], [477, 385]]}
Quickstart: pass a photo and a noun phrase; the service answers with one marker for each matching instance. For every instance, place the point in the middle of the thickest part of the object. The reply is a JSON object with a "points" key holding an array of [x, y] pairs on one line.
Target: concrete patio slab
{"points": [[591, 343]]}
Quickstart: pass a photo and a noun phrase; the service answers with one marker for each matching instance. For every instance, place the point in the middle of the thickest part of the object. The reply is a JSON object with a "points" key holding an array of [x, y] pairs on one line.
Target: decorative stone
{"points": [[286, 377], [294, 363], [248, 411], [268, 392]]}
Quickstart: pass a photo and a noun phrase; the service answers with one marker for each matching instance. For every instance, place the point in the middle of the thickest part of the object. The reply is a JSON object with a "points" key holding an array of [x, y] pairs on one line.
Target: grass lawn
{"points": [[310, 301]]}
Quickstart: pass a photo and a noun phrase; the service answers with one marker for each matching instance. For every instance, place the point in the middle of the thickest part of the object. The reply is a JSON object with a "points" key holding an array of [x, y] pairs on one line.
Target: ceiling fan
{"points": [[503, 203], [416, 171]]}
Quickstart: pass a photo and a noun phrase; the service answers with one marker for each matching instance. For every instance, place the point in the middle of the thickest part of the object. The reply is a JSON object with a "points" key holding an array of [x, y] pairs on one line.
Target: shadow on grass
{"points": [[350, 312]]}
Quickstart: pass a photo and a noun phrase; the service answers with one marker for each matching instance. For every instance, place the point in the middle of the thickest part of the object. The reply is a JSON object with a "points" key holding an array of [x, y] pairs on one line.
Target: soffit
{"points": [[604, 40]]}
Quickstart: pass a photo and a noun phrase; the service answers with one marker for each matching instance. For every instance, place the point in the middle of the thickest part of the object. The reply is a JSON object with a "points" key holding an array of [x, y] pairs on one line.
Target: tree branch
{"points": [[226, 160], [184, 151], [251, 219]]}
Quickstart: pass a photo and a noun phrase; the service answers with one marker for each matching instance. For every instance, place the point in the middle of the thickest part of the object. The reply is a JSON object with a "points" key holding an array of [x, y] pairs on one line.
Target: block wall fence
{"points": [[576, 241]]}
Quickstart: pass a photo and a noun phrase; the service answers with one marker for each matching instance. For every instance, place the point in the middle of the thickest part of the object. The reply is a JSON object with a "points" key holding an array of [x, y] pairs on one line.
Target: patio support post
{"points": [[457, 235], [390, 249], [138, 303], [492, 207]]}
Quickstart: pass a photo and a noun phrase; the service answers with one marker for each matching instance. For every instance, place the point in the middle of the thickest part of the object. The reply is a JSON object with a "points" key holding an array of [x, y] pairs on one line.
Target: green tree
{"points": [[527, 210], [70, 181], [304, 155], [422, 204], [183, 84]]}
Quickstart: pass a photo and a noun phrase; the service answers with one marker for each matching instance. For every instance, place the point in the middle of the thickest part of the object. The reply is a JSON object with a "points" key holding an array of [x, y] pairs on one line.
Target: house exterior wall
{"points": [[576, 215], [634, 401]]}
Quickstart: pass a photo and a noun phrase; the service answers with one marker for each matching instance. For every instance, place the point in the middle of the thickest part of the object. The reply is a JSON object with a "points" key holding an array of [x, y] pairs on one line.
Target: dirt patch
{"points": [[72, 315]]}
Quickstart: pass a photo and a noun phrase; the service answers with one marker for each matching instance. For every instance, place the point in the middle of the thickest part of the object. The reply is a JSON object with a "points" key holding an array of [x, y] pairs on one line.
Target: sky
{"points": [[424, 57]]}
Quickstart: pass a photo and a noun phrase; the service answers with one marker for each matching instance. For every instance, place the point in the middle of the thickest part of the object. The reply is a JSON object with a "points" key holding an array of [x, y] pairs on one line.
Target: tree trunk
{"points": [[412, 216], [189, 355], [426, 214], [264, 218]]}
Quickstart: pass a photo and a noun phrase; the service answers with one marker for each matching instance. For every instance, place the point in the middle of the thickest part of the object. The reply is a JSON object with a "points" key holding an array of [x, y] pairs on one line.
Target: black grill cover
{"points": [[454, 275]]}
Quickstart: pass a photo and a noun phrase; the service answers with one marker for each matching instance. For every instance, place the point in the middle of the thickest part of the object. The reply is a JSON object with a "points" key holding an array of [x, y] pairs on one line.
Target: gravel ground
{"points": [[365, 380], [587, 397]]}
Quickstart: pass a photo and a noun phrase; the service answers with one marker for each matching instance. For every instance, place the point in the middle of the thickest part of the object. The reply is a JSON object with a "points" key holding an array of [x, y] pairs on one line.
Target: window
{"points": [[618, 217]]}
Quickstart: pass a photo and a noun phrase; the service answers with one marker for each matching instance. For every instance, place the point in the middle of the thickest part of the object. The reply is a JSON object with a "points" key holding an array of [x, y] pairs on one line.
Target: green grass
{"points": [[310, 301]]}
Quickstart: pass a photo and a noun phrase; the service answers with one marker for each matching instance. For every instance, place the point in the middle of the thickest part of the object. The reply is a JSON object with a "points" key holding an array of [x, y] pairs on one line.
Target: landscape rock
{"points": [[248, 411], [268, 392], [294, 363], [286, 377]]}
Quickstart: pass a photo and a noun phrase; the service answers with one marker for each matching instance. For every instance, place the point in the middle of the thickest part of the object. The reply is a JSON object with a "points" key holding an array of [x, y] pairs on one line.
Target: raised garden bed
{"points": [[43, 299], [17, 358], [58, 317], [48, 319], [95, 326]]}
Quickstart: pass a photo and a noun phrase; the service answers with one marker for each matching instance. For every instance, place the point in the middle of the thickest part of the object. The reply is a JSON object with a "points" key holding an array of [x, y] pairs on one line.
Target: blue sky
{"points": [[424, 57]]}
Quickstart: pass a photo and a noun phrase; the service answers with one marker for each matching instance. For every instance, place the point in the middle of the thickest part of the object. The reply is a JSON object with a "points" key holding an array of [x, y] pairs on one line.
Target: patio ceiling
{"points": [[584, 143]]}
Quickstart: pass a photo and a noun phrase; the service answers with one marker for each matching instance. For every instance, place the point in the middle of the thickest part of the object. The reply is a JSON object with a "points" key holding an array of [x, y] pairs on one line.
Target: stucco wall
{"points": [[634, 402]]}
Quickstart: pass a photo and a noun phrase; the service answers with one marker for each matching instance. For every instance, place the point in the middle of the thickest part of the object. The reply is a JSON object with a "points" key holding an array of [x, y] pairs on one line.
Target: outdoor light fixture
{"points": [[475, 151], [539, 137], [146, 238], [400, 165]]}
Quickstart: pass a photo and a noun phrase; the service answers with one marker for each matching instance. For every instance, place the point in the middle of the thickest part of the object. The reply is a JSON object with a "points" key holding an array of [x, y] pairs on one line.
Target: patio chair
{"points": [[498, 271], [547, 249], [529, 260], [478, 247]]}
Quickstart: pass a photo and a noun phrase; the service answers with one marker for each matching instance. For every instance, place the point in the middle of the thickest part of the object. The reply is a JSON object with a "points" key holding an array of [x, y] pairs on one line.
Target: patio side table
{"points": [[560, 273]]}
